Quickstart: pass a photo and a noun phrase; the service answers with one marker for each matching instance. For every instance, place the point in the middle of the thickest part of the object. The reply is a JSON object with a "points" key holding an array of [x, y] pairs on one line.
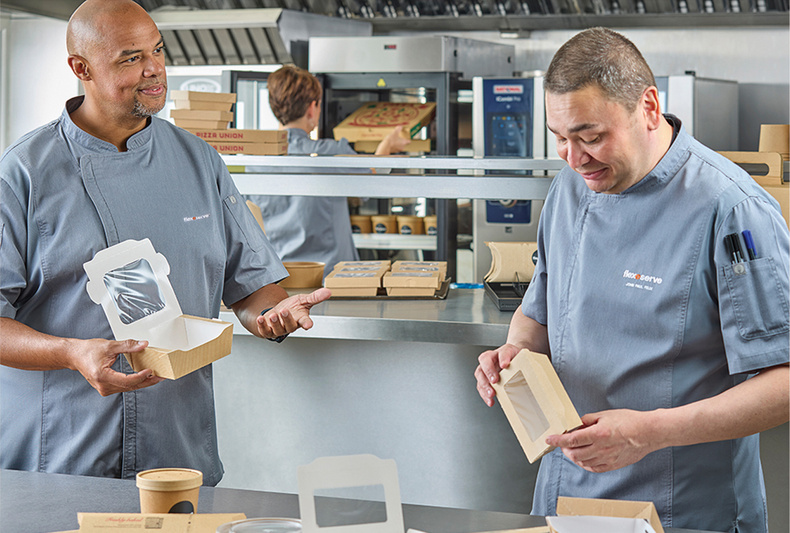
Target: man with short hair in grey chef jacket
{"points": [[106, 171], [651, 323]]}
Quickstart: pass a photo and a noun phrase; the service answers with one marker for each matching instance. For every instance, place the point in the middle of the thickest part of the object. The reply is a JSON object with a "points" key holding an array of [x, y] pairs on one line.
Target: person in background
{"points": [[310, 228], [107, 171], [674, 353]]}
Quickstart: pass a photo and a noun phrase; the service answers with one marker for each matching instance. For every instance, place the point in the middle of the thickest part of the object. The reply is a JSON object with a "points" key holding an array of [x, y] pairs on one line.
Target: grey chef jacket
{"points": [[65, 196], [645, 311], [309, 228]]}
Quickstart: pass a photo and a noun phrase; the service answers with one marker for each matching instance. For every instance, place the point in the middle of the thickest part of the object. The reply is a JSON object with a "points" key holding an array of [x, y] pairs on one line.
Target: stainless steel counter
{"points": [[42, 503], [467, 316]]}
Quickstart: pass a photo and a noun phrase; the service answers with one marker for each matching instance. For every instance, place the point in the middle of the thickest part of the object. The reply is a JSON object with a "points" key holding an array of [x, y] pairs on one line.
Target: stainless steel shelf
{"points": [[407, 177], [467, 316]]}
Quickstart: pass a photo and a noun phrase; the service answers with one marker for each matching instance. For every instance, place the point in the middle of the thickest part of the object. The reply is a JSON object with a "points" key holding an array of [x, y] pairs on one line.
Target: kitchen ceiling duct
{"points": [[222, 36], [254, 36]]}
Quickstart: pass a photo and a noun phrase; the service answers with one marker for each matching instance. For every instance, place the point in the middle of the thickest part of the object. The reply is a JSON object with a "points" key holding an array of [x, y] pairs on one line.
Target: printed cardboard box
{"points": [[615, 508], [129, 280], [381, 264], [243, 136], [405, 283], [249, 148], [535, 402], [203, 96], [161, 523], [375, 120]]}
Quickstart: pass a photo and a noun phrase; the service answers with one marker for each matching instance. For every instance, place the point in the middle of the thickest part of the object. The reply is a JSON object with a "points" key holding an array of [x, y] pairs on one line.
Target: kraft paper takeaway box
{"points": [[130, 282], [535, 402], [612, 508]]}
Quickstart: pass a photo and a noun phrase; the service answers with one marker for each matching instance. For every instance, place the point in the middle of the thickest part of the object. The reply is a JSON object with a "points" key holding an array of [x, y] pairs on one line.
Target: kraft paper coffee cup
{"points": [[169, 490]]}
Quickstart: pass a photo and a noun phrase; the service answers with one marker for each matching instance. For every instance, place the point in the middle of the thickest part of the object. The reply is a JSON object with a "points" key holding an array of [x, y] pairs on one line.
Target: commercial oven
{"points": [[507, 120], [356, 70]]}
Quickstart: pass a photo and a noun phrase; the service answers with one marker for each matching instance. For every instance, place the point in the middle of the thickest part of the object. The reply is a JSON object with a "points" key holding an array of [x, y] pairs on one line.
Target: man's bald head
{"points": [[88, 22]]}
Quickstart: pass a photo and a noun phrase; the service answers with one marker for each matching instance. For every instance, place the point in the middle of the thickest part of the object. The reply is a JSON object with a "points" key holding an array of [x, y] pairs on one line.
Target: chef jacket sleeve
{"points": [[753, 295]]}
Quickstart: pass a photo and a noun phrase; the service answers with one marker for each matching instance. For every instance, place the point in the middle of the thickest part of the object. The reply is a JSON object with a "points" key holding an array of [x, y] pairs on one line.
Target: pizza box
{"points": [[535, 402], [400, 283], [231, 147], [129, 280], [189, 124], [416, 145], [202, 104], [203, 96], [245, 136], [375, 120], [201, 114]]}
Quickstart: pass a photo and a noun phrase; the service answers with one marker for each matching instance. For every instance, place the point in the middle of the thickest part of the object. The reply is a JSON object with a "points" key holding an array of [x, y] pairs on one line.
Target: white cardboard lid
{"points": [[350, 471], [116, 257]]}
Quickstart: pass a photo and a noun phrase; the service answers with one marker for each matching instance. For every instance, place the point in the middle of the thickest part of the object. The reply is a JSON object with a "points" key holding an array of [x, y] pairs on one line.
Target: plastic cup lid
{"points": [[169, 479], [262, 525]]}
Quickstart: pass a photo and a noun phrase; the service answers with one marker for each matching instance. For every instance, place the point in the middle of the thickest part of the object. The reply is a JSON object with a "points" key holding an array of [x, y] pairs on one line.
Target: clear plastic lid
{"points": [[262, 525]]}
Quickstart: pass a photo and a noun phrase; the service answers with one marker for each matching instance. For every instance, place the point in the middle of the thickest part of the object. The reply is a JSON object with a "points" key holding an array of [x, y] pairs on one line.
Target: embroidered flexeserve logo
{"points": [[199, 217], [641, 281]]}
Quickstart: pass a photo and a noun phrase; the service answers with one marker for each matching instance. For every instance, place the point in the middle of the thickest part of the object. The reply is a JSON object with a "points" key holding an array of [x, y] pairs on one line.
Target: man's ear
{"points": [[651, 107], [79, 66]]}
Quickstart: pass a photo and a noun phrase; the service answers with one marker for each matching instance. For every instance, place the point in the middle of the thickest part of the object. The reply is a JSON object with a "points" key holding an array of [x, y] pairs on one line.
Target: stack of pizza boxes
{"points": [[196, 110], [207, 115], [415, 278], [357, 278]]}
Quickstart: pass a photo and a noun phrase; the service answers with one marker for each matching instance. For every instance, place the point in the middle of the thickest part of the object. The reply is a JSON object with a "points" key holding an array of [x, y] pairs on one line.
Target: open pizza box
{"points": [[644, 512], [129, 280], [535, 402]]}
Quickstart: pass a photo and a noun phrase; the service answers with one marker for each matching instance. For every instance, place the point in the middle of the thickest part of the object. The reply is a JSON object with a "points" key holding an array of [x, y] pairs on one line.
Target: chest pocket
{"points": [[241, 214], [755, 295]]}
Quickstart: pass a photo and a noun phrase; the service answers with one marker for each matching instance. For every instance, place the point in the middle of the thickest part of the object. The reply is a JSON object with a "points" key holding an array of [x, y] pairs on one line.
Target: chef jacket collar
{"points": [[92, 143]]}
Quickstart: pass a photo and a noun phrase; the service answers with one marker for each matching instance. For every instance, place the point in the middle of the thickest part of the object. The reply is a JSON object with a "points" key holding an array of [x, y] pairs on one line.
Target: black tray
{"points": [[505, 295]]}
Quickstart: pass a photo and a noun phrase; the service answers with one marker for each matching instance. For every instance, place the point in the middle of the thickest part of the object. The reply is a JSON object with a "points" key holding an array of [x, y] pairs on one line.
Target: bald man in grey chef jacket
{"points": [[106, 171], [675, 354]]}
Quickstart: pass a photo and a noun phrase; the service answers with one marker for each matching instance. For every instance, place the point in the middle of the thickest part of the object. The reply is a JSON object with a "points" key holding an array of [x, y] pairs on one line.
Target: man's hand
{"points": [[609, 440], [487, 372], [290, 314], [94, 358]]}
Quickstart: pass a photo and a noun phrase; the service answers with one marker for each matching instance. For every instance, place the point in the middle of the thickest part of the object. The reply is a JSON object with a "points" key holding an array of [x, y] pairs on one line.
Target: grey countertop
{"points": [[44, 503], [466, 316]]}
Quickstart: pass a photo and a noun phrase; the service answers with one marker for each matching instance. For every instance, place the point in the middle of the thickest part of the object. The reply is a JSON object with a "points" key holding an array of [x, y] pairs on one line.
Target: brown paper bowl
{"points": [[303, 274], [384, 223]]}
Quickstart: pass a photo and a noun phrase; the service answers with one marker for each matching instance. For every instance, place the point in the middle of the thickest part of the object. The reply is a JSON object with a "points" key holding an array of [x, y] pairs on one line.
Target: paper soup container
{"points": [[410, 225], [169, 490], [361, 224], [384, 223], [303, 274], [430, 224]]}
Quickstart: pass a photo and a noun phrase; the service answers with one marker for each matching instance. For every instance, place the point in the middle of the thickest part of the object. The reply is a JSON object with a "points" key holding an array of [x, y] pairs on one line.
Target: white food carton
{"points": [[130, 282]]}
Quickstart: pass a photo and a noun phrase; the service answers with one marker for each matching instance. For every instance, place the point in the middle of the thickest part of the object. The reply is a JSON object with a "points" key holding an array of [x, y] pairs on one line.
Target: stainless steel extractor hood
{"points": [[244, 36]]}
